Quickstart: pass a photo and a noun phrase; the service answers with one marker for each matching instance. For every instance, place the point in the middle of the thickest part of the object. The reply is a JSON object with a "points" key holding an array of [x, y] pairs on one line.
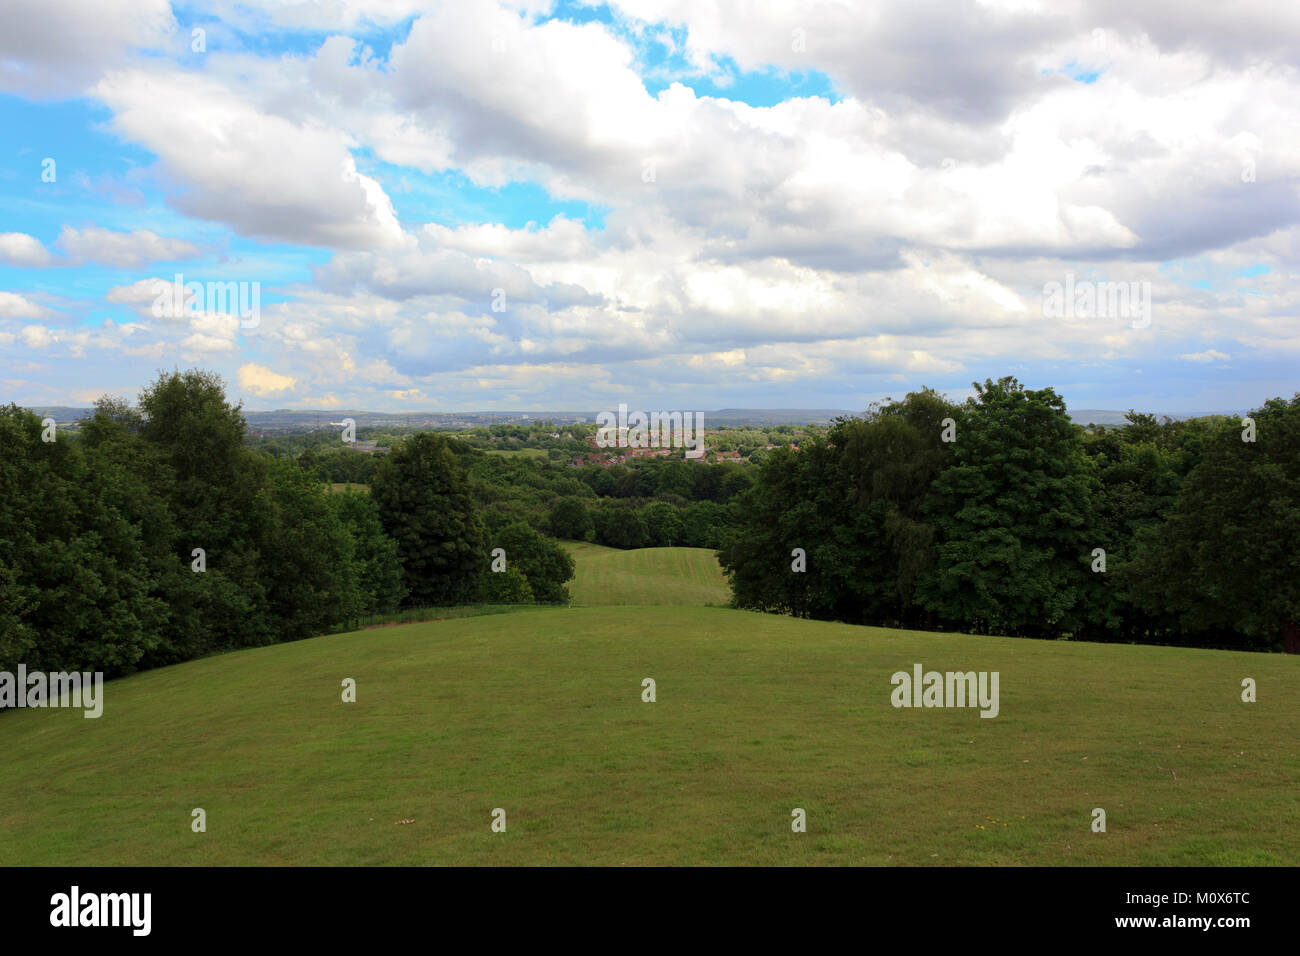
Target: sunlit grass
{"points": [[540, 712], [605, 576]]}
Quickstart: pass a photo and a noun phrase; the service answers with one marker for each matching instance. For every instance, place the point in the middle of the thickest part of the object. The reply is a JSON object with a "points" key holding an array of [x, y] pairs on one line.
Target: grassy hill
{"points": [[657, 576], [539, 712]]}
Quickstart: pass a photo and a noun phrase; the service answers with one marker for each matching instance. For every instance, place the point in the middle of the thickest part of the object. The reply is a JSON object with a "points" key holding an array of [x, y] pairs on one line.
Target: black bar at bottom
{"points": [[924, 905]]}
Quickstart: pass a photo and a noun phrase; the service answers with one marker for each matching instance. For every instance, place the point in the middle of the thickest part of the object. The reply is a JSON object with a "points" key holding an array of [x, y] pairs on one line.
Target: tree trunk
{"points": [[1290, 636]]}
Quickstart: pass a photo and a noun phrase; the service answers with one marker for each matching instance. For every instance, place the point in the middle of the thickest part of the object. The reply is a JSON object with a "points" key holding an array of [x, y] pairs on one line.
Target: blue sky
{"points": [[676, 205]]}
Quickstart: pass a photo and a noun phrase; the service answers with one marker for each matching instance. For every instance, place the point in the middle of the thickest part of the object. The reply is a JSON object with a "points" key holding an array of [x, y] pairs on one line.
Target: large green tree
{"points": [[544, 563], [663, 523], [422, 491], [890, 458], [306, 555], [378, 570], [571, 519], [1225, 563], [799, 503], [78, 554], [1013, 513], [620, 526], [211, 488]]}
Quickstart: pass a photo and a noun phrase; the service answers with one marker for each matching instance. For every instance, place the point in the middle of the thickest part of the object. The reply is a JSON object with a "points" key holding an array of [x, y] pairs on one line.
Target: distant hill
{"points": [[293, 419], [285, 419], [774, 416], [1096, 416], [62, 413]]}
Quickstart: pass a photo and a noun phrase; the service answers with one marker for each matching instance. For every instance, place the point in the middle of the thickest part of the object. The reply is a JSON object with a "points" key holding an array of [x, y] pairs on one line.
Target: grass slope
{"points": [[658, 576], [539, 712]]}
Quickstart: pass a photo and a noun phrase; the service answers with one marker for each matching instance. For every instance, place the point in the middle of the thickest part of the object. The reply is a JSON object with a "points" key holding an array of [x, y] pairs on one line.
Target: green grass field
{"points": [[679, 576], [539, 712]]}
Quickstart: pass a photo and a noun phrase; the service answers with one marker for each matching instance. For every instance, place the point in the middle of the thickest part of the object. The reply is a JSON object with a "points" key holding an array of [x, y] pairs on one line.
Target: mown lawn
{"points": [[539, 712], [680, 576]]}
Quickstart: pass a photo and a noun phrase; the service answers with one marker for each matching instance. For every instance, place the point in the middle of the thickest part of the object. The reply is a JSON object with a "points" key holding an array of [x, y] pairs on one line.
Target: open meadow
{"points": [[540, 712]]}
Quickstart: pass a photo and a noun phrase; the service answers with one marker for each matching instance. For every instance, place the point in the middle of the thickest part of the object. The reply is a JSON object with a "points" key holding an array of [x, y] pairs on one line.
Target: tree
{"points": [[676, 477], [708, 481], [598, 479], [735, 481], [507, 587], [312, 463], [201, 438], [891, 457], [425, 505], [211, 486], [544, 563], [620, 527], [306, 555], [704, 524], [378, 570], [1139, 473], [663, 523], [1013, 516], [1224, 563], [77, 575], [570, 519], [799, 501]]}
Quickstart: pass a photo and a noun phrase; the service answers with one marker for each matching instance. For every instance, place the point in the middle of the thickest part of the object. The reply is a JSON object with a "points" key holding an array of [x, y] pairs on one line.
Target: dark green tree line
{"points": [[1026, 524]]}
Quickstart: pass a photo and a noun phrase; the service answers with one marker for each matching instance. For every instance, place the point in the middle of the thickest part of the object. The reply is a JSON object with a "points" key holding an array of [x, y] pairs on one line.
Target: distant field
{"points": [[680, 576], [539, 712], [588, 549], [342, 485]]}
